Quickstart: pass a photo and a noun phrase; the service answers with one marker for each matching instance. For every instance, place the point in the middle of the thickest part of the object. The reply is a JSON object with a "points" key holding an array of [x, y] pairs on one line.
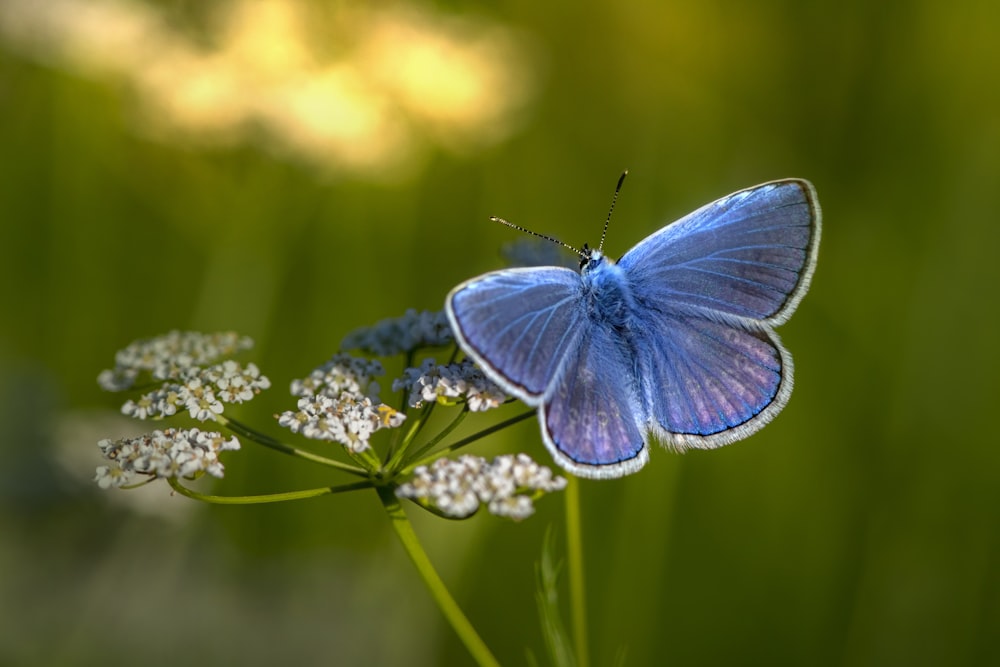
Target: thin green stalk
{"points": [[413, 427], [366, 457], [266, 498], [401, 437], [467, 441], [396, 454], [577, 587], [445, 432], [463, 628], [267, 441]]}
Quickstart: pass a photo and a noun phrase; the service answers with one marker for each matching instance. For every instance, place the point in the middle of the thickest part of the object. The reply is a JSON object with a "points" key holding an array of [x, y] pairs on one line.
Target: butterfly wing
{"points": [[519, 325], [707, 383], [708, 290], [528, 329], [746, 256], [593, 418]]}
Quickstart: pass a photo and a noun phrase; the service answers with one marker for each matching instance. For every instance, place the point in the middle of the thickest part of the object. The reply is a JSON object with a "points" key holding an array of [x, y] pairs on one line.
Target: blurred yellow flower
{"points": [[352, 89]]}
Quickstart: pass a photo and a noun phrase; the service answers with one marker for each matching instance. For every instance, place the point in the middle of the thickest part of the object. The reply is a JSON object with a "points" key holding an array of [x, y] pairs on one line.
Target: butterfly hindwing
{"points": [[749, 255], [519, 325], [707, 383], [593, 418]]}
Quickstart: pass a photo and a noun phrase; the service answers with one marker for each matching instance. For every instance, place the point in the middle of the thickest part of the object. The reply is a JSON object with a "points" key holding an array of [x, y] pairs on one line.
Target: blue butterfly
{"points": [[675, 340]]}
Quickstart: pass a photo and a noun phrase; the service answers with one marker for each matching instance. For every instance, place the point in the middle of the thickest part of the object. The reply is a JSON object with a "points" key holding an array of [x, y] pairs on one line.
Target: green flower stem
{"points": [[463, 628], [267, 441], [367, 458], [577, 588], [468, 441], [266, 498], [395, 455], [401, 438], [432, 443]]}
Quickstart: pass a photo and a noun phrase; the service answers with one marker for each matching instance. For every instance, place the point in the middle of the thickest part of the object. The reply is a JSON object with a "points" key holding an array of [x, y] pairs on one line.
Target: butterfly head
{"points": [[591, 258]]}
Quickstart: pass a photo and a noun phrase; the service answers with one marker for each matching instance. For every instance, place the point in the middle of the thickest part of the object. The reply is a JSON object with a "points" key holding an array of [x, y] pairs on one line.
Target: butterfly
{"points": [[675, 340]]}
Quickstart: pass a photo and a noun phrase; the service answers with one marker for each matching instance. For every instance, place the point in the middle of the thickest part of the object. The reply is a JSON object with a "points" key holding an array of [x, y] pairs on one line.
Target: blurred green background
{"points": [[295, 170]]}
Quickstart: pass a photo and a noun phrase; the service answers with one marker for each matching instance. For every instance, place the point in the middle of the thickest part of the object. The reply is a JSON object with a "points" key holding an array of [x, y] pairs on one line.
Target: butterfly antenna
{"points": [[614, 199], [541, 236]]}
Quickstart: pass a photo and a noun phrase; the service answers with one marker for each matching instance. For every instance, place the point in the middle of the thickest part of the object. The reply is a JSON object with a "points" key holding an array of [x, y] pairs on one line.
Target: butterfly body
{"points": [[675, 340], [606, 292]]}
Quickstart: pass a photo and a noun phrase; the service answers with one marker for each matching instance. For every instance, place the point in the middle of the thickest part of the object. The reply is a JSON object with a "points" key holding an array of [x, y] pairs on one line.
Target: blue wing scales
{"points": [[518, 325], [749, 255], [593, 420], [707, 383]]}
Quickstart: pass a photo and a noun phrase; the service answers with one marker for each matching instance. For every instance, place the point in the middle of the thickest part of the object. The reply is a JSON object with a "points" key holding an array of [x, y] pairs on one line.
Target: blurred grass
{"points": [[860, 528]]}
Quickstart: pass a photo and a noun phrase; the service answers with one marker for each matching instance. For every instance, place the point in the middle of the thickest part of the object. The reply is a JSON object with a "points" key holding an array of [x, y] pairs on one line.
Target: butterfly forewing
{"points": [[749, 255], [518, 324]]}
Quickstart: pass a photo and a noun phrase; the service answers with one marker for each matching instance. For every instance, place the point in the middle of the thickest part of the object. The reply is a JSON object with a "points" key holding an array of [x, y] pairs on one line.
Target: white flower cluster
{"points": [[343, 373], [507, 486], [167, 453], [200, 391], [350, 419], [167, 357], [401, 334], [449, 384]]}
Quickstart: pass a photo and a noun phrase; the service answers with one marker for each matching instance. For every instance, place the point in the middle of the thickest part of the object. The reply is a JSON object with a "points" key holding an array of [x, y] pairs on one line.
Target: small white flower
{"points": [[201, 402], [350, 419], [512, 507], [113, 475], [168, 356], [342, 373], [448, 385], [117, 379], [159, 403], [507, 486], [141, 409], [396, 335], [201, 391], [166, 453], [236, 384]]}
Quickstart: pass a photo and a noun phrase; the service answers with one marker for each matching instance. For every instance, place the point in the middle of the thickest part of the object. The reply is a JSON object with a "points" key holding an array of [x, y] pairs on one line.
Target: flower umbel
{"points": [[168, 356], [397, 335], [343, 372], [350, 419], [167, 453], [507, 485], [448, 385], [200, 391], [177, 362], [339, 401]]}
